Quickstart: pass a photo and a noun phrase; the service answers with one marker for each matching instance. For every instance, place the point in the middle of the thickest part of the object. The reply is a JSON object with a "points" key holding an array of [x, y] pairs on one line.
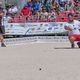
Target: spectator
{"points": [[69, 7], [25, 12], [35, 14], [49, 9], [55, 6], [62, 1], [51, 14], [78, 17], [29, 4], [44, 14], [13, 10], [46, 5], [30, 17], [77, 7], [62, 6], [35, 5]]}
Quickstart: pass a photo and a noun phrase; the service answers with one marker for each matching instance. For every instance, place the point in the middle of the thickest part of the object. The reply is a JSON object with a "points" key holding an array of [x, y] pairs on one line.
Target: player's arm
{"points": [[2, 13], [79, 26], [67, 28]]}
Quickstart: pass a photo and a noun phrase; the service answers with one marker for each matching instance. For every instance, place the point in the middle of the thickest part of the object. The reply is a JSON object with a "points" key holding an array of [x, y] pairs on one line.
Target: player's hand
{"points": [[68, 28], [1, 14]]}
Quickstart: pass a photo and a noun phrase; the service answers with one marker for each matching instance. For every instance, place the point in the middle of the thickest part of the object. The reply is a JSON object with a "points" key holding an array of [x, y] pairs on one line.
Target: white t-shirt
{"points": [[75, 26], [13, 10]]}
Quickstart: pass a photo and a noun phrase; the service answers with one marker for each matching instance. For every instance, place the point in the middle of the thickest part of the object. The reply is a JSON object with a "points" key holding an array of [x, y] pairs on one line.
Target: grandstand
{"points": [[47, 13], [59, 12]]}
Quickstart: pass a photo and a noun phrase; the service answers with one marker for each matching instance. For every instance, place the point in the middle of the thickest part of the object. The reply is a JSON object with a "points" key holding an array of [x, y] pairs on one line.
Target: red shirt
{"points": [[25, 11]]}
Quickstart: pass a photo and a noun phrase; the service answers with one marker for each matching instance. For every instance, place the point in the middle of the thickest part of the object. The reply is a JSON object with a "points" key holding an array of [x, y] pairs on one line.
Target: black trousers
{"points": [[2, 30]]}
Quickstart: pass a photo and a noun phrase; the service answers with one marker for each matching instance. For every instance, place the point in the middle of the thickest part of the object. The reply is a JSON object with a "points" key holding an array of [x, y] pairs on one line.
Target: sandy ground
{"points": [[40, 61]]}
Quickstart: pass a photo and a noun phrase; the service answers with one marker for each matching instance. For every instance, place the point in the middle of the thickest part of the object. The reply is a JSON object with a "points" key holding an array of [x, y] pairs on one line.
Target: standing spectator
{"points": [[1, 27]]}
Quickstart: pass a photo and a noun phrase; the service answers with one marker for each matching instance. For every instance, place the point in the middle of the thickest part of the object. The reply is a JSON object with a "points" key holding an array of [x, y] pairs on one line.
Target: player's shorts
{"points": [[77, 37], [2, 30]]}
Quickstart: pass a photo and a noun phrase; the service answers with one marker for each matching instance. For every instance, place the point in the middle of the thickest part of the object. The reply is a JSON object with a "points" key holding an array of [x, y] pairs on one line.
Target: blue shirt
{"points": [[36, 7]]}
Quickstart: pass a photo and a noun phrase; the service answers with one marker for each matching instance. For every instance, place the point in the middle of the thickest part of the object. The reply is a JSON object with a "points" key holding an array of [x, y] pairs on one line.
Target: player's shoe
{"points": [[3, 45], [72, 46], [78, 44]]}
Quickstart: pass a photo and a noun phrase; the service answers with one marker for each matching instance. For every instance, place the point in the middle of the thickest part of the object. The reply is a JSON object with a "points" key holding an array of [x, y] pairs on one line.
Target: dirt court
{"points": [[40, 61]]}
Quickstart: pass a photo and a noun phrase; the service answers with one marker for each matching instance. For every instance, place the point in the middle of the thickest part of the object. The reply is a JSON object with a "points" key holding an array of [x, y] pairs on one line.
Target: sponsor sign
{"points": [[34, 28]]}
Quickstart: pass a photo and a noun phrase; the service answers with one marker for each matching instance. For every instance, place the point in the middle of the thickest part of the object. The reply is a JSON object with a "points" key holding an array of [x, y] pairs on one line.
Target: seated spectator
{"points": [[41, 1], [51, 14], [25, 11], [47, 9], [46, 5], [59, 1], [62, 6], [13, 10], [55, 6], [69, 7], [77, 0], [35, 5], [77, 7], [29, 4], [35, 15], [30, 17], [44, 14], [9, 18], [62, 14], [78, 17]]}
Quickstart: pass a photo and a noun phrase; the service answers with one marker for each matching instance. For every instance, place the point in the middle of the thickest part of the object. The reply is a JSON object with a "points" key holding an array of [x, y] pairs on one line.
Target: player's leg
{"points": [[78, 39], [78, 43], [2, 40], [72, 40]]}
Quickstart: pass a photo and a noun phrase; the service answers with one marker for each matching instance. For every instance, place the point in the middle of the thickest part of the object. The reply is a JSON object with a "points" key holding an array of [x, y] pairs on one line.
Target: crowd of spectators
{"points": [[46, 10]]}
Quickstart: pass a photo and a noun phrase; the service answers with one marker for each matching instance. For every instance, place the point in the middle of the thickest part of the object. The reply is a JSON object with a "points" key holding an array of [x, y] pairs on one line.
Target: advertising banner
{"points": [[34, 28]]}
